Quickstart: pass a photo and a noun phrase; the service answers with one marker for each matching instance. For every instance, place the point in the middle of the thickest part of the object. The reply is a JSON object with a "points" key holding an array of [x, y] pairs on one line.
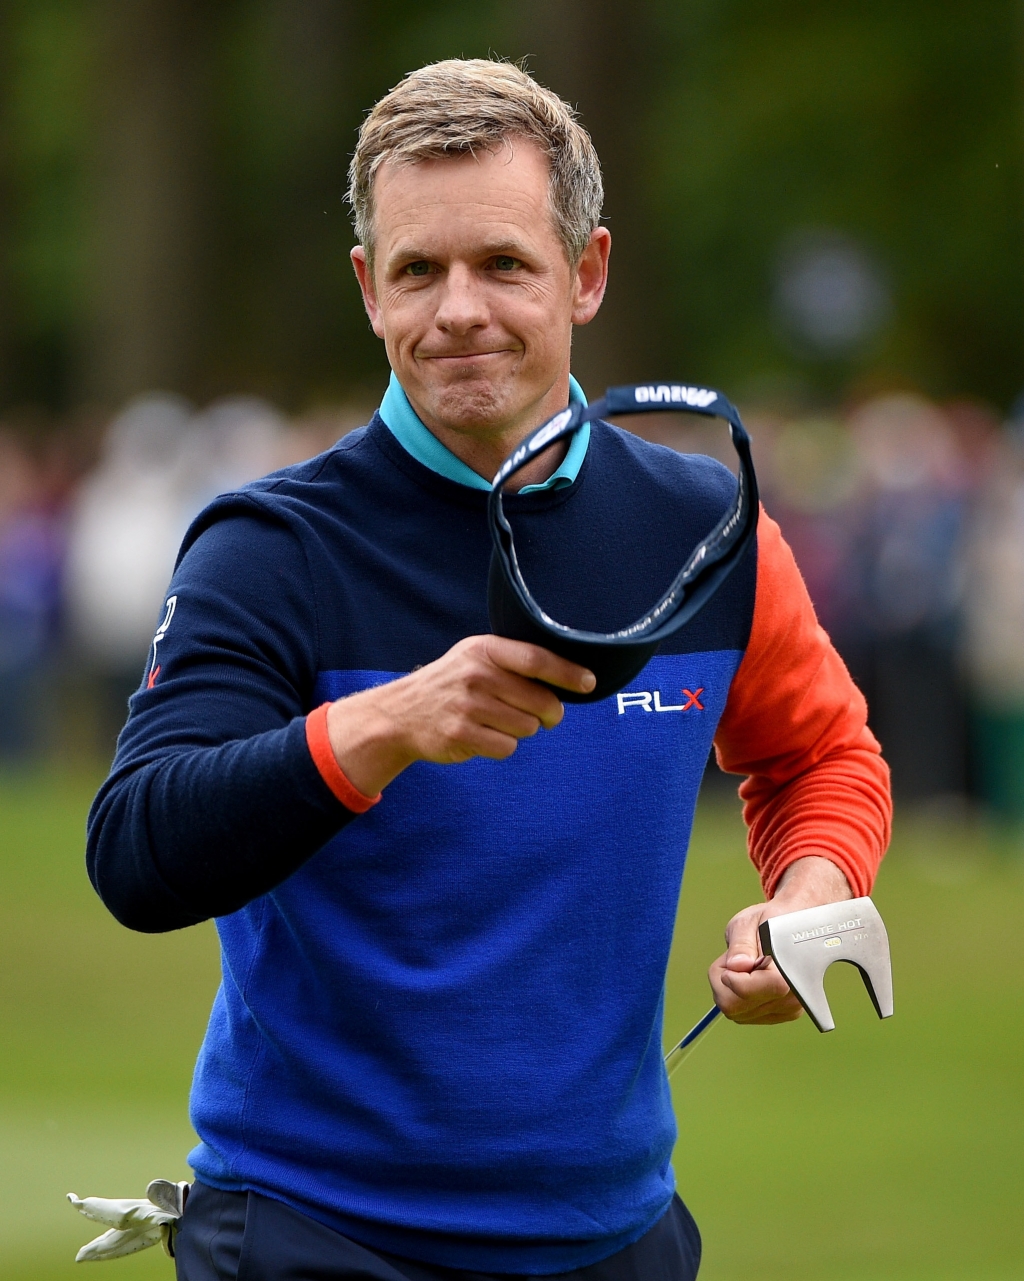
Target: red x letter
{"points": [[693, 699]]}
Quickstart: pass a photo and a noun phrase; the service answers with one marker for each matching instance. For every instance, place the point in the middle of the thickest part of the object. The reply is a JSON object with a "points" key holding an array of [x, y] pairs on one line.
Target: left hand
{"points": [[746, 995]]}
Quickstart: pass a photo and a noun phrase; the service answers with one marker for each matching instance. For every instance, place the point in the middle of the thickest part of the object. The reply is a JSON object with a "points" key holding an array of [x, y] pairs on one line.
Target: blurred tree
{"points": [[45, 76], [149, 198], [603, 57], [897, 125], [283, 119]]}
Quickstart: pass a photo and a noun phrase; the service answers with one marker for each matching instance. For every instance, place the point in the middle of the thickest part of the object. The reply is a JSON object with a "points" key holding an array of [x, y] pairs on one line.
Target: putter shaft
{"points": [[678, 1053], [685, 1047]]}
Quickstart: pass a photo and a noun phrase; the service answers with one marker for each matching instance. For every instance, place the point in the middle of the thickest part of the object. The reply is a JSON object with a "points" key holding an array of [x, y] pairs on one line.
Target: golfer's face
{"points": [[472, 291]]}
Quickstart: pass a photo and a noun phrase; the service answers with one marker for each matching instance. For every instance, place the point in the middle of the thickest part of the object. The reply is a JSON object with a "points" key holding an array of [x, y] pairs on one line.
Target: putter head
{"points": [[804, 944]]}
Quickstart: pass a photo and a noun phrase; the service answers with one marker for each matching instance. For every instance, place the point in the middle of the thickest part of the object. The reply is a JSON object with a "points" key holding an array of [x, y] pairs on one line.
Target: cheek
{"points": [[405, 312], [536, 310], [545, 329]]}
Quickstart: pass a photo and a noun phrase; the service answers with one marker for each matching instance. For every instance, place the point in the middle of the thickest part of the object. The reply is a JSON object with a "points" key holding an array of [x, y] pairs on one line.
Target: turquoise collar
{"points": [[404, 424]]}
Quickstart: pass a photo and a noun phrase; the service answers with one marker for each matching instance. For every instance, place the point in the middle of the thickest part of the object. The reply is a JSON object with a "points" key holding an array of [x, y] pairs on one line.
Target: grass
{"points": [[98, 1031], [881, 1151]]}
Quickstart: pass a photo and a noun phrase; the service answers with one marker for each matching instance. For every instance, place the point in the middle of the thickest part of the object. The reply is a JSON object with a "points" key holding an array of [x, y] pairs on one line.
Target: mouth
{"points": [[470, 358]]}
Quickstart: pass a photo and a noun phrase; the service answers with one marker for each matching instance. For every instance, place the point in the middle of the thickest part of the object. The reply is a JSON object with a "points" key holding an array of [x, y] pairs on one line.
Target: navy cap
{"points": [[616, 657]]}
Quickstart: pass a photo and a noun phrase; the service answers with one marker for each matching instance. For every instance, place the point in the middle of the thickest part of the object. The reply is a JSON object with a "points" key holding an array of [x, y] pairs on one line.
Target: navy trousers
{"points": [[241, 1236]]}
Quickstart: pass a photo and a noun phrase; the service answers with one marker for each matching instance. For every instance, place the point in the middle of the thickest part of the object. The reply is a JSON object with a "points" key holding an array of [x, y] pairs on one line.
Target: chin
{"points": [[466, 405]]}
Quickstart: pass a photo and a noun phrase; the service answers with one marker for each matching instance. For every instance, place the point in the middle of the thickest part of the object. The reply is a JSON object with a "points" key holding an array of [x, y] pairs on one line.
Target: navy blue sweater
{"points": [[439, 1027]]}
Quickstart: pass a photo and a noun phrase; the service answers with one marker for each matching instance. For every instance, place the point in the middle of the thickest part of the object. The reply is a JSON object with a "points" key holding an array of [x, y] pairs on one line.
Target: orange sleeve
{"points": [[796, 724]]}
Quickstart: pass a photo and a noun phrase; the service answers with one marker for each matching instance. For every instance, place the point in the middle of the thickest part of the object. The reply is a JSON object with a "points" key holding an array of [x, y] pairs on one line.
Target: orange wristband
{"points": [[320, 749]]}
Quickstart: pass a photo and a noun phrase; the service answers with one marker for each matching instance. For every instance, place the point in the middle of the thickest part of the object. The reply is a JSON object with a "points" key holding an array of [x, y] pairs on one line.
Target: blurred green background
{"points": [[172, 171], [172, 217], [881, 1152]]}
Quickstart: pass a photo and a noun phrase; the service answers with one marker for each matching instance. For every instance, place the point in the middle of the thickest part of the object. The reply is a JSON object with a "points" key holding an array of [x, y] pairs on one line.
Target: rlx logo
{"points": [[652, 702]]}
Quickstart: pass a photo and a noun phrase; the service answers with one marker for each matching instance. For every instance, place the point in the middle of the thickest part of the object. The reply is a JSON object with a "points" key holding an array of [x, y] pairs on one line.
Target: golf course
{"points": [[879, 1152]]}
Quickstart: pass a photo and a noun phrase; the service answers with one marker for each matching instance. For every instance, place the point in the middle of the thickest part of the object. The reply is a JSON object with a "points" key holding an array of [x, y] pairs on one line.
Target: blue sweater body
{"points": [[439, 1026]]}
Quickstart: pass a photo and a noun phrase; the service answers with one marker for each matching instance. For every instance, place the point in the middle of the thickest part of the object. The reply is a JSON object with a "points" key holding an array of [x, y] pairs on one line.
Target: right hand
{"points": [[746, 993], [479, 699]]}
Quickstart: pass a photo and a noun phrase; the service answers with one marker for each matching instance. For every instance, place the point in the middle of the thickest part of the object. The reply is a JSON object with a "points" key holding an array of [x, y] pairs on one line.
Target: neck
{"points": [[485, 457], [484, 449]]}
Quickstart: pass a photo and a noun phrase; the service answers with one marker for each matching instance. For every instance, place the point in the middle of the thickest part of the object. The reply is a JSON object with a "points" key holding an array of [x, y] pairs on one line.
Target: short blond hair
{"points": [[477, 104]]}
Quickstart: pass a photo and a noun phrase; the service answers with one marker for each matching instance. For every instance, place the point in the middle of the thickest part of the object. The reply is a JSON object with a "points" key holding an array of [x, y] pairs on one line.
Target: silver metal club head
{"points": [[804, 944]]}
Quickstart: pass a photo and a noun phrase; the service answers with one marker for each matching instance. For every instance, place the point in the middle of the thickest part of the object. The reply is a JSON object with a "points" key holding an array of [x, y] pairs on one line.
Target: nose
{"points": [[462, 305]]}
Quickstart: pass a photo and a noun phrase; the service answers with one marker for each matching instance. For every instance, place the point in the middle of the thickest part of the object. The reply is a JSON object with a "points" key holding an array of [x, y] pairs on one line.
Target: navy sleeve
{"points": [[213, 798]]}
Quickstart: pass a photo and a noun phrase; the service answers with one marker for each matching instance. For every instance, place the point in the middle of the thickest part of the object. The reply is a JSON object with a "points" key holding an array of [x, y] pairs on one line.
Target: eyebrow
{"points": [[489, 249]]}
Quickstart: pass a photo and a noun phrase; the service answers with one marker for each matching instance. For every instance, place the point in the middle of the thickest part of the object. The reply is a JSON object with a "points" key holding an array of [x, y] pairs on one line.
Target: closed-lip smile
{"points": [[464, 355]]}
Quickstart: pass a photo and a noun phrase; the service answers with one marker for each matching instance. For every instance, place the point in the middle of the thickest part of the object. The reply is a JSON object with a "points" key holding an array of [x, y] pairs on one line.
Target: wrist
{"points": [[812, 880], [367, 745], [337, 781]]}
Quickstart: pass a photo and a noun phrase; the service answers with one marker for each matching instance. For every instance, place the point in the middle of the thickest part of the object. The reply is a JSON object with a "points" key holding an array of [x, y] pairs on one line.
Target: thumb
{"points": [[743, 949]]}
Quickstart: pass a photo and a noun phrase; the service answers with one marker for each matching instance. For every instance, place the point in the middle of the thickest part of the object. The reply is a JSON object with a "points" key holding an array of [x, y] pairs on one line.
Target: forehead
{"points": [[502, 193]]}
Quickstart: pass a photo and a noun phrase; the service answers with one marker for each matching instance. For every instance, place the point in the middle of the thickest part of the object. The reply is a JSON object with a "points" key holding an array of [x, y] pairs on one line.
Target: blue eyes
{"points": [[502, 262]]}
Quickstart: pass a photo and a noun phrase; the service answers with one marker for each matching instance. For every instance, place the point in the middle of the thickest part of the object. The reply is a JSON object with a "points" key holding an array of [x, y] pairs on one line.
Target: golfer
{"points": [[445, 900]]}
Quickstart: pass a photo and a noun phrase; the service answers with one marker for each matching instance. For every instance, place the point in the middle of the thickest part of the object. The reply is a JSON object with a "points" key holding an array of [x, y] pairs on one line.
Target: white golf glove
{"points": [[133, 1225]]}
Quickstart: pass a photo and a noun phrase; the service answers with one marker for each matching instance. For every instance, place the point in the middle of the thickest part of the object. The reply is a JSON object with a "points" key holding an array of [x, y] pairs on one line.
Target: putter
{"points": [[803, 945]]}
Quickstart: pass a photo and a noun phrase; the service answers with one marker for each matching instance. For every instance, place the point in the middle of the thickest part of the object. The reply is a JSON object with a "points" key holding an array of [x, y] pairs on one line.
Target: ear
{"points": [[591, 277], [368, 289]]}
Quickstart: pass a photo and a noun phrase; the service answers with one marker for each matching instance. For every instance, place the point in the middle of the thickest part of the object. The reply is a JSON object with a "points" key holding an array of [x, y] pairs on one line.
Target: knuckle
{"points": [[463, 704], [530, 659], [456, 726], [463, 727], [487, 650], [477, 676]]}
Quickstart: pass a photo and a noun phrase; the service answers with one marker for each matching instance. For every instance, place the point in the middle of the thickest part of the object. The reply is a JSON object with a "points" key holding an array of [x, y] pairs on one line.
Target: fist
{"points": [[746, 985], [478, 699]]}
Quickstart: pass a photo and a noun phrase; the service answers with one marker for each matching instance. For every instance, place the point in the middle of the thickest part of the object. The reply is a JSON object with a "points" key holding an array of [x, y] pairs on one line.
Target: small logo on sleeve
{"points": [[651, 702], [161, 632]]}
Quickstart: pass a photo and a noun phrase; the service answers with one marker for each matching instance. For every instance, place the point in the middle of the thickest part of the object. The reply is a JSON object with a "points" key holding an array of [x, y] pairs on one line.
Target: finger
{"points": [[478, 740], [743, 946], [769, 1015], [776, 1006], [764, 985], [738, 993], [539, 664], [499, 715], [761, 1008], [527, 696]]}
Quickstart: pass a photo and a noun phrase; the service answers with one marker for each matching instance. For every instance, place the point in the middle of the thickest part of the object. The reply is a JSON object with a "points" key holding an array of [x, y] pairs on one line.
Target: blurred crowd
{"points": [[905, 516], [883, 510], [87, 546]]}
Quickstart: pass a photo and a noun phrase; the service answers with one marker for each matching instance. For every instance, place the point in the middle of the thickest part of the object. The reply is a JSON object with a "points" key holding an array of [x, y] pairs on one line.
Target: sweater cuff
{"points": [[330, 771]]}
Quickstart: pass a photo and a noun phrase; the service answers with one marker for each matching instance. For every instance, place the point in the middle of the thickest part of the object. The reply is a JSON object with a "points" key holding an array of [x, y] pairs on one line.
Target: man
{"points": [[445, 901]]}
